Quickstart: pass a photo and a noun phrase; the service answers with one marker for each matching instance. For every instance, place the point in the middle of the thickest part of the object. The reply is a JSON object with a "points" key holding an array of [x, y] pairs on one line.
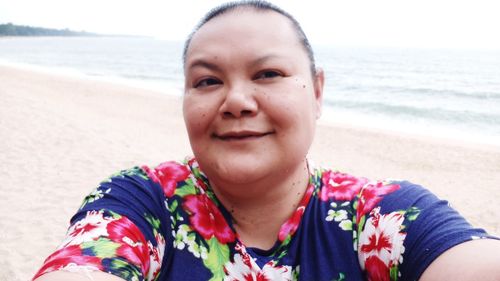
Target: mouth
{"points": [[240, 135]]}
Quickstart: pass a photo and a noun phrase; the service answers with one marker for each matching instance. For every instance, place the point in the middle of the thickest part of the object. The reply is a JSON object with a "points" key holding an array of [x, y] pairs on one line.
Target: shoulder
{"points": [[169, 173], [399, 227], [334, 185], [166, 175], [137, 190]]}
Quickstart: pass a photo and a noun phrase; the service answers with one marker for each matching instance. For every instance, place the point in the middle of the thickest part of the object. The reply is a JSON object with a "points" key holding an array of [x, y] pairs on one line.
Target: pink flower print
{"points": [[167, 175], [89, 228], [371, 195], [245, 268], [291, 225], [381, 238], [65, 256], [206, 218], [376, 270], [133, 247], [156, 256], [192, 162], [201, 184], [340, 186]]}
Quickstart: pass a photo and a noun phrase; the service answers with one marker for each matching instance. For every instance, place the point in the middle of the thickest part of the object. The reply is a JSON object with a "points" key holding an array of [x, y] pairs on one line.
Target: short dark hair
{"points": [[259, 6]]}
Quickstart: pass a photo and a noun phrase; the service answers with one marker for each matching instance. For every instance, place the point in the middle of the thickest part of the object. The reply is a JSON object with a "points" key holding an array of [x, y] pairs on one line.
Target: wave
{"points": [[411, 112], [432, 92]]}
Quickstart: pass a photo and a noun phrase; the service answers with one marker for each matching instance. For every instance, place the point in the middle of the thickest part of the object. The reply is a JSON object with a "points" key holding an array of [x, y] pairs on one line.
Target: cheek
{"points": [[197, 115], [292, 108]]}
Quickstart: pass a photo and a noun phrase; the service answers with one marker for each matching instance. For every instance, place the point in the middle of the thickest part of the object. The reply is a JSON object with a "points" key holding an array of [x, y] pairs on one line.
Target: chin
{"points": [[240, 171], [240, 180]]}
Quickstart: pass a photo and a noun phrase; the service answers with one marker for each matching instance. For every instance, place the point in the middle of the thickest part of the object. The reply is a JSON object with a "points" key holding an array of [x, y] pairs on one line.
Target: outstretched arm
{"points": [[472, 260], [71, 276], [118, 230]]}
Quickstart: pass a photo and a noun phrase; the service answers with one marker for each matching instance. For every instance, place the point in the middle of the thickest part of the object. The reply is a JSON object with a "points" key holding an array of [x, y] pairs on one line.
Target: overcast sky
{"points": [[418, 23]]}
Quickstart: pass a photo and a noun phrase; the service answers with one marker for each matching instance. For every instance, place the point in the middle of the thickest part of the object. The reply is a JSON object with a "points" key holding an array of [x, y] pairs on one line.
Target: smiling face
{"points": [[251, 102]]}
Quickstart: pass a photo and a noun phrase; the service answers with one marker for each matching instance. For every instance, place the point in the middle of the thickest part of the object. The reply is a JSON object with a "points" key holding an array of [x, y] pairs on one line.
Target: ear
{"points": [[319, 80]]}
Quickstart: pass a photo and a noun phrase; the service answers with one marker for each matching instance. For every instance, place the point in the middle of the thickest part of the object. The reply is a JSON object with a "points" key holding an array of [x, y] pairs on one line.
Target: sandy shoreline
{"points": [[60, 136]]}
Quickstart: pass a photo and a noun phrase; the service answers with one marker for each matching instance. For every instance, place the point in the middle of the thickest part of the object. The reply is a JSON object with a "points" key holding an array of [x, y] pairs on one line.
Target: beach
{"points": [[62, 135]]}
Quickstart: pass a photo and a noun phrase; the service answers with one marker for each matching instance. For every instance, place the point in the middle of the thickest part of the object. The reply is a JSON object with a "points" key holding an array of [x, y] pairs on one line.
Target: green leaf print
{"points": [[394, 273], [114, 215], [135, 171], [218, 255], [126, 270], [412, 213], [172, 207], [154, 222], [95, 195], [102, 248], [212, 197], [355, 204], [140, 172], [196, 172], [185, 190], [341, 277], [296, 273], [361, 223]]}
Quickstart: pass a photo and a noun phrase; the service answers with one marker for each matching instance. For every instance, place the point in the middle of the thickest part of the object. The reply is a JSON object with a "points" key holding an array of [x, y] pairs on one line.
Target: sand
{"points": [[60, 136]]}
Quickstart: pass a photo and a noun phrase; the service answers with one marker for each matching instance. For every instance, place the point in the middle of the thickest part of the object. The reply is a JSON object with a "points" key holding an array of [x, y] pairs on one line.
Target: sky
{"points": [[388, 23]]}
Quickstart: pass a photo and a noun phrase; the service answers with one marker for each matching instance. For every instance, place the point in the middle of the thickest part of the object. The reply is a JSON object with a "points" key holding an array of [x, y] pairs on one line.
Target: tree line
{"points": [[10, 29]]}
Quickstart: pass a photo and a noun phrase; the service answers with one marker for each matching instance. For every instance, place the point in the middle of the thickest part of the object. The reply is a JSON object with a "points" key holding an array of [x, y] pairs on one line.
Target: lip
{"points": [[240, 135]]}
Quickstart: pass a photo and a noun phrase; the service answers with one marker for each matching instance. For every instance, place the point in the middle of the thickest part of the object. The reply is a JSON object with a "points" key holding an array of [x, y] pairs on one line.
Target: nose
{"points": [[239, 102]]}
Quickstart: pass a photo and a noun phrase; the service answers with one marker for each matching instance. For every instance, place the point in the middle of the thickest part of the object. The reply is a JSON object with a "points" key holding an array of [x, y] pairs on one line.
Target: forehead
{"points": [[245, 29]]}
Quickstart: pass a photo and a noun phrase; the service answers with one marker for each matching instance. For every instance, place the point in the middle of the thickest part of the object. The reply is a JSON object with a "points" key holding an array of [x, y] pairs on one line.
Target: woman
{"points": [[250, 206]]}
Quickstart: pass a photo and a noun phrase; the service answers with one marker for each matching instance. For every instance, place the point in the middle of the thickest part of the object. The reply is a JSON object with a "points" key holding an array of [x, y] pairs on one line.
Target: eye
{"points": [[207, 82], [268, 74]]}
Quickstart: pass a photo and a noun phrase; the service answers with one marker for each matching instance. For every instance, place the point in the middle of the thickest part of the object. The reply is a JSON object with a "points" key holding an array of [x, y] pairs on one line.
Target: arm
{"points": [[118, 230], [436, 240], [72, 276], [472, 260]]}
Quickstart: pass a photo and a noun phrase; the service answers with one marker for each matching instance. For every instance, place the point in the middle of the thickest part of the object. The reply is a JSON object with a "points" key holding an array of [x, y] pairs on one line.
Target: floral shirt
{"points": [[165, 223]]}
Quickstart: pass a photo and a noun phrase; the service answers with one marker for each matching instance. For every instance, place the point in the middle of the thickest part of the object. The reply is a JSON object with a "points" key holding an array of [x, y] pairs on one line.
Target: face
{"points": [[251, 102]]}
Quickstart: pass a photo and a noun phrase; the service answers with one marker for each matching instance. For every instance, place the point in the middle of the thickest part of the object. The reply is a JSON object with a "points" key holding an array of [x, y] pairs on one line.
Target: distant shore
{"points": [[15, 30], [9, 29], [63, 135]]}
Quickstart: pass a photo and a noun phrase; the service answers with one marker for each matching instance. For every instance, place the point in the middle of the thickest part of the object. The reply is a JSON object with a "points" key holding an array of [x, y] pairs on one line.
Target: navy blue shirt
{"points": [[166, 223]]}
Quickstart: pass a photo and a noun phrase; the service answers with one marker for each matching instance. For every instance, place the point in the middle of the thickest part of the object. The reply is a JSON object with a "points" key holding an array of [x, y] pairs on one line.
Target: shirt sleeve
{"points": [[118, 230], [404, 227]]}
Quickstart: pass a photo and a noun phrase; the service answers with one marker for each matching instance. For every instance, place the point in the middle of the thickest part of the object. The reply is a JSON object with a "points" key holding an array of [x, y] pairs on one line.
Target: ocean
{"points": [[449, 93]]}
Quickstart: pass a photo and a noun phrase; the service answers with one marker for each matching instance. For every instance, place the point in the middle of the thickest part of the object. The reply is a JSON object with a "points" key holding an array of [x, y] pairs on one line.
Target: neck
{"points": [[260, 208]]}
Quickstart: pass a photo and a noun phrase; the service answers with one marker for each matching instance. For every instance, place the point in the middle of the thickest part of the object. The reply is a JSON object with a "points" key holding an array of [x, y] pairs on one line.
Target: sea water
{"points": [[452, 93]]}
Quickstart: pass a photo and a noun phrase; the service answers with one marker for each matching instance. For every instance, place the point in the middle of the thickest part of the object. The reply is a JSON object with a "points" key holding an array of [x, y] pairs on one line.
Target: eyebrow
{"points": [[264, 59], [211, 66], [204, 64]]}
